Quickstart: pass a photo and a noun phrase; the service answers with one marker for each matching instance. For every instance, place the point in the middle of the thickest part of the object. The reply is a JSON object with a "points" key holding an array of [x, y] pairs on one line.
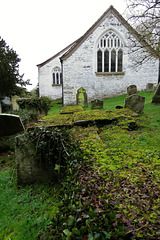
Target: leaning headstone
{"points": [[135, 103], [156, 97], [10, 124], [15, 105], [150, 87], [132, 89], [81, 97], [96, 104]]}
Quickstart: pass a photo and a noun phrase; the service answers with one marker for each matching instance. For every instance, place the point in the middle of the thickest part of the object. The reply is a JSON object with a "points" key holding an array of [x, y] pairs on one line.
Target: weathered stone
{"points": [[10, 124], [96, 104], [156, 97], [15, 105], [81, 97], [7, 143], [150, 87], [29, 169], [132, 89], [135, 103]]}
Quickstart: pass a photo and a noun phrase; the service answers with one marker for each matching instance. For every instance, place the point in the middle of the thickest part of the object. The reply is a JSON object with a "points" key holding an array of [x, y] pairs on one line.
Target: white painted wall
{"points": [[46, 87], [79, 70]]}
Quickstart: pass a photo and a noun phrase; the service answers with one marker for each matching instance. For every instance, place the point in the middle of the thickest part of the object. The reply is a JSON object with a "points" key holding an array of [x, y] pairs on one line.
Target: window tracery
{"points": [[110, 53], [57, 76]]}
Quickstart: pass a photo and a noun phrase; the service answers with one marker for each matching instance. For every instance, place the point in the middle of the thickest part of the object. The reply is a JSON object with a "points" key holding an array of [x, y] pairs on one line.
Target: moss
{"points": [[56, 120], [71, 109], [102, 115], [123, 117]]}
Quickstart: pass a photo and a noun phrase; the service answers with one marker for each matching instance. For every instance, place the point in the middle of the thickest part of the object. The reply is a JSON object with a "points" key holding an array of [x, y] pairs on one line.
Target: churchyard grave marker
{"points": [[135, 103], [10, 124]]}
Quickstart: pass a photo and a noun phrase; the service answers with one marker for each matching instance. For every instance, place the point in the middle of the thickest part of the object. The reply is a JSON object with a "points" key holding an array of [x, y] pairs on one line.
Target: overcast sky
{"points": [[38, 29]]}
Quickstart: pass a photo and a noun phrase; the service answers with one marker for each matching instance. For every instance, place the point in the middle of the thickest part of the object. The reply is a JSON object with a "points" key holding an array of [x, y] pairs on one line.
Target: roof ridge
{"points": [[54, 56]]}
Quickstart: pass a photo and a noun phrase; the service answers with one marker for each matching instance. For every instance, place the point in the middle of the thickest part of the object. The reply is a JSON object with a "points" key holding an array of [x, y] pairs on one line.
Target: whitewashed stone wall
{"points": [[79, 70], [45, 78]]}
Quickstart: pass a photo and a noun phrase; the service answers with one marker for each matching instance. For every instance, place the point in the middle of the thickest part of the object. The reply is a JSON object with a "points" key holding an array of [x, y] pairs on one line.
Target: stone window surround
{"points": [[56, 76], [56, 85], [104, 44], [109, 73]]}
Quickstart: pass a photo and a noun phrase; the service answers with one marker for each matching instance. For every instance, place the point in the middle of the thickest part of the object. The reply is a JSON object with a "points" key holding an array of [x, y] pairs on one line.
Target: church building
{"points": [[99, 62]]}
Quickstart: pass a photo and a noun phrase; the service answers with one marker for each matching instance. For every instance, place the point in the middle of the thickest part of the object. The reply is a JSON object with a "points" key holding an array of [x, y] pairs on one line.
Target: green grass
{"points": [[108, 104], [24, 211], [112, 187]]}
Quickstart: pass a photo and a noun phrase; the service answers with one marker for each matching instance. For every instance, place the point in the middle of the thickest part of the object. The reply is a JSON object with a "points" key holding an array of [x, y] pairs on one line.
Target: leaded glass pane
{"points": [[106, 61], [99, 61], [54, 78], [60, 78], [120, 58], [57, 77], [113, 61]]}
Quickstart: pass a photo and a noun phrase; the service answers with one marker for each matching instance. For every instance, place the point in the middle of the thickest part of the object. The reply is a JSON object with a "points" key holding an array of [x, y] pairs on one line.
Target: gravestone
{"points": [[135, 103], [15, 105], [10, 124], [132, 89], [29, 169], [156, 97], [96, 104], [81, 97], [150, 87]]}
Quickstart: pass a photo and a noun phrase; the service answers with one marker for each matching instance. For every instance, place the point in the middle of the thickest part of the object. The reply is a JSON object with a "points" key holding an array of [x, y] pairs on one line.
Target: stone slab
{"points": [[135, 103], [132, 89], [96, 104], [10, 124], [150, 87]]}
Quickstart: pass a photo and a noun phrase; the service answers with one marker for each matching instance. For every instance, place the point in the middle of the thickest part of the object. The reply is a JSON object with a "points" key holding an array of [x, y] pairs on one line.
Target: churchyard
{"points": [[106, 176]]}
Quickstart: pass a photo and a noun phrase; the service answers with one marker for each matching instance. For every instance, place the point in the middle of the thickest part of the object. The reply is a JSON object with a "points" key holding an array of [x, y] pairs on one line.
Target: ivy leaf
{"points": [[67, 233], [107, 235], [71, 220], [57, 168]]}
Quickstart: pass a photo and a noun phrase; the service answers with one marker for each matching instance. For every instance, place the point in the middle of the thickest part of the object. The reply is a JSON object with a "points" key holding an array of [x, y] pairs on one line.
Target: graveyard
{"points": [[106, 173]]}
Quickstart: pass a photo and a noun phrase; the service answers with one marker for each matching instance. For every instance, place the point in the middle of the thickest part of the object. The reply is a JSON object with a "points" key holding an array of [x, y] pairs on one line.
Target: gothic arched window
{"points": [[57, 76], [110, 53]]}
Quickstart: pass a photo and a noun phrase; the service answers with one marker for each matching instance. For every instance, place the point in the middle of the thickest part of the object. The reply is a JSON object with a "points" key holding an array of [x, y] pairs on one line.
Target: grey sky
{"points": [[38, 29]]}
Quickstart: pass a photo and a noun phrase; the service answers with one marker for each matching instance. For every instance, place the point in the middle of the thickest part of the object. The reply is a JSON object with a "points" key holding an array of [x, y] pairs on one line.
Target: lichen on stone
{"points": [[71, 109]]}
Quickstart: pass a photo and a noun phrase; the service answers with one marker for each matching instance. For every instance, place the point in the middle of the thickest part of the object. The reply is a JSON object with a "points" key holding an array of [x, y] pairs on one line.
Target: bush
{"points": [[41, 104]]}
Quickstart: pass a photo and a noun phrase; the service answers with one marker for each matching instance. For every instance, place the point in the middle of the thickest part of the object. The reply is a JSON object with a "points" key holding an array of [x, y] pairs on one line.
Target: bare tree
{"points": [[144, 15]]}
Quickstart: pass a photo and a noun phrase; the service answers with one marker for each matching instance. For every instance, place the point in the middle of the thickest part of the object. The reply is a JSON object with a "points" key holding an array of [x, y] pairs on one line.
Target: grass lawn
{"points": [[108, 104], [111, 190]]}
